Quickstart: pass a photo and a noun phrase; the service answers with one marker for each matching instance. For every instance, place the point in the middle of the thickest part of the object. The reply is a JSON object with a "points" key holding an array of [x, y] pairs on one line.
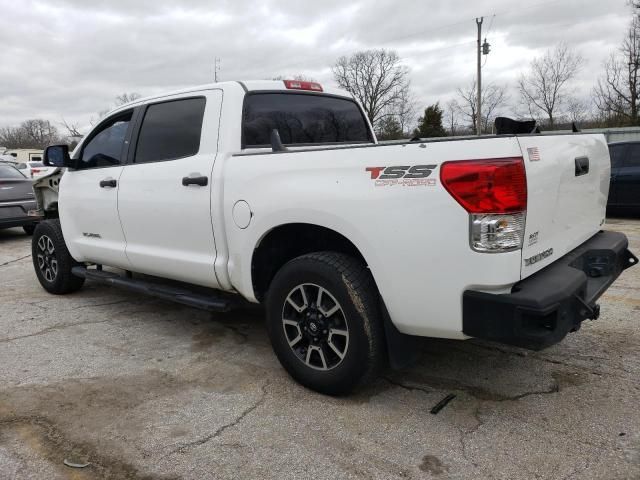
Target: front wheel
{"points": [[52, 260], [324, 322]]}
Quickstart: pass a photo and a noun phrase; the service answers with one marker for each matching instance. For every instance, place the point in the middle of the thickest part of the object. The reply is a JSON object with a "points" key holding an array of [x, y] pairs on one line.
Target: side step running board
{"points": [[213, 303]]}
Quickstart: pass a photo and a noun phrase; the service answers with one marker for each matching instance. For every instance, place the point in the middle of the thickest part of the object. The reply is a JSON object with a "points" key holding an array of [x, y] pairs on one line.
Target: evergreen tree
{"points": [[430, 124]]}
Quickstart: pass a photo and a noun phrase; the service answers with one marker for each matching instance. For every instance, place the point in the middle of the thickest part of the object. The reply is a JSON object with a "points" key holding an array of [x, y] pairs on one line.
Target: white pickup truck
{"points": [[279, 192]]}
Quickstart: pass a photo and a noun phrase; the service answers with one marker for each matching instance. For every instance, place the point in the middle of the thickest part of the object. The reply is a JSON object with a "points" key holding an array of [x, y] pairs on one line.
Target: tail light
{"points": [[34, 171], [300, 85], [494, 192]]}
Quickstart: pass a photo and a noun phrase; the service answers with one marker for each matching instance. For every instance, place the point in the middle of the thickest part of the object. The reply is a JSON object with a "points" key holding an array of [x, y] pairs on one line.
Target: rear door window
{"points": [[302, 119], [171, 130]]}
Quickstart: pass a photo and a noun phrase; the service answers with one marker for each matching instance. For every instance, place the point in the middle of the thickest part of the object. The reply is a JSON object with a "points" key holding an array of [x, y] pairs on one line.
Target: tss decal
{"points": [[402, 175]]}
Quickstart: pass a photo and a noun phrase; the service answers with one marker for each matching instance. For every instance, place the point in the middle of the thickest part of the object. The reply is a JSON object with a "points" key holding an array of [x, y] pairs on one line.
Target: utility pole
{"points": [[216, 69], [479, 86]]}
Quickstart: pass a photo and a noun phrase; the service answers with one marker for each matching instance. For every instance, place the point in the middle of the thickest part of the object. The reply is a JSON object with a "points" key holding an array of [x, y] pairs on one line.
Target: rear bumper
{"points": [[16, 214], [543, 308]]}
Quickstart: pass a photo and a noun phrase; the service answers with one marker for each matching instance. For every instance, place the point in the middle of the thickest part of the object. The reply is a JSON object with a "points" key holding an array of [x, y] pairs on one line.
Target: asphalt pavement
{"points": [[139, 388]]}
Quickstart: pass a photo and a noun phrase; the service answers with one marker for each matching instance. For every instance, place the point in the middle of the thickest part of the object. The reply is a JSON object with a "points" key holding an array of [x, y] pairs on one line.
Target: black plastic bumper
{"points": [[543, 308]]}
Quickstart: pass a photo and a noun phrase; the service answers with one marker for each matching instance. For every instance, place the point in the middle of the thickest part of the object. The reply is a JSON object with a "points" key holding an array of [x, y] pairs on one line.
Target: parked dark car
{"points": [[16, 200], [624, 191]]}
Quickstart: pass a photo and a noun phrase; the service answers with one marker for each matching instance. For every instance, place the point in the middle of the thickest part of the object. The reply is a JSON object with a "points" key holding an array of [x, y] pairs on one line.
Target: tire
{"points": [[327, 350], [52, 260], [29, 229]]}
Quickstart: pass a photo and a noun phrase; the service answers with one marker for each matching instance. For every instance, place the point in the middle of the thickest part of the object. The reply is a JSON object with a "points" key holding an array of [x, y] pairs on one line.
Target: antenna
{"points": [[216, 69]]}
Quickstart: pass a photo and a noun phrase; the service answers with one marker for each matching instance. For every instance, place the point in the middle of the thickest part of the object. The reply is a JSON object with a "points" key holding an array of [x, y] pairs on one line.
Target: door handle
{"points": [[201, 181], [109, 182]]}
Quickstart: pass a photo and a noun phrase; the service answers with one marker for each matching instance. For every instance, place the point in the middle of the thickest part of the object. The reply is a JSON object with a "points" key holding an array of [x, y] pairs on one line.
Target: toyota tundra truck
{"points": [[278, 193]]}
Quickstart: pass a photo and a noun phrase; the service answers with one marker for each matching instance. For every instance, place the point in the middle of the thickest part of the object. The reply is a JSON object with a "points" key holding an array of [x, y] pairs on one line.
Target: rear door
{"points": [[88, 195], [617, 153], [165, 191], [567, 188], [628, 177]]}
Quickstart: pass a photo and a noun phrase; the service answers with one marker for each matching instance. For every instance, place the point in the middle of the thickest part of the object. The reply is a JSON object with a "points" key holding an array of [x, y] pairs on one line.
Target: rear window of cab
{"points": [[302, 119]]}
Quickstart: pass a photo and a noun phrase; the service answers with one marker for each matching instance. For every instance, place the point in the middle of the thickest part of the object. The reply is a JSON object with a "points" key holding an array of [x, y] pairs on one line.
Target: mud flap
{"points": [[403, 350]]}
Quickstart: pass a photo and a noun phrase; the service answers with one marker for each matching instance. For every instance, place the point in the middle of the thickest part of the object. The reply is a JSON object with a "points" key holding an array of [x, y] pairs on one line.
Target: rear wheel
{"points": [[52, 260], [324, 322]]}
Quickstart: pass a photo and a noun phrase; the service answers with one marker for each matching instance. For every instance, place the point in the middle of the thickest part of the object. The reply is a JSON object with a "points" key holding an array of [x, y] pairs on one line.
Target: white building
{"points": [[22, 155]]}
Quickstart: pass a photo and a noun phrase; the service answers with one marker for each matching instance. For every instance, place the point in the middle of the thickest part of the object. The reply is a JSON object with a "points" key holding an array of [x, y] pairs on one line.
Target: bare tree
{"points": [[125, 98], [375, 77], [404, 110], [542, 89], [34, 133], [40, 132], [119, 100], [13, 137], [493, 99], [577, 109], [301, 77], [617, 92], [72, 129], [452, 111]]}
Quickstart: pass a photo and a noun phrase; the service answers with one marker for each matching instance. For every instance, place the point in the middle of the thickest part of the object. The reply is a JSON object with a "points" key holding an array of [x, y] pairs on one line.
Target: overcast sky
{"points": [[70, 58]]}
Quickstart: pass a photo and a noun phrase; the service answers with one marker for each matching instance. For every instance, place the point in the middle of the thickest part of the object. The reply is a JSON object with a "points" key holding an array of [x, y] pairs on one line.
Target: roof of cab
{"points": [[249, 85], [257, 85]]}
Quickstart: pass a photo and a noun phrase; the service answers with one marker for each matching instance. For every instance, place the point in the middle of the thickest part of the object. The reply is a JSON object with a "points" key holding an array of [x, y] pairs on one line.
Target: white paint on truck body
{"points": [[414, 238]]}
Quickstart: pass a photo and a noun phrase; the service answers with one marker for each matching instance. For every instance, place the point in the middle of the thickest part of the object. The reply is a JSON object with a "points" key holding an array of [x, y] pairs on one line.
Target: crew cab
{"points": [[277, 192]]}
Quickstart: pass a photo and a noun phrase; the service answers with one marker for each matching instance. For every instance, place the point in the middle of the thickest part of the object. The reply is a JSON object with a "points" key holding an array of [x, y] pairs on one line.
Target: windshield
{"points": [[302, 119]]}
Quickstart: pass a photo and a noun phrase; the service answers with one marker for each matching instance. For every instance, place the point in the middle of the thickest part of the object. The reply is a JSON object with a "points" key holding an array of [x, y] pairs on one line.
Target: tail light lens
{"points": [[494, 192]]}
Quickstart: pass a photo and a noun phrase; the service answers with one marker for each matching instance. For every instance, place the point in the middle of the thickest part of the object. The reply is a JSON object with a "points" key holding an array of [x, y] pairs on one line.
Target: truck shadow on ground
{"points": [[480, 369]]}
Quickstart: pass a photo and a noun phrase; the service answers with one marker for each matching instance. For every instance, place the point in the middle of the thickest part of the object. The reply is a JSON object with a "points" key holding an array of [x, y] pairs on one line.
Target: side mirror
{"points": [[57, 156]]}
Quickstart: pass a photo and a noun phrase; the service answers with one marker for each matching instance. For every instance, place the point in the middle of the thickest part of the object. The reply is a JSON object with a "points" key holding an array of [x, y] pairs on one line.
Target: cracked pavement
{"points": [[142, 388]]}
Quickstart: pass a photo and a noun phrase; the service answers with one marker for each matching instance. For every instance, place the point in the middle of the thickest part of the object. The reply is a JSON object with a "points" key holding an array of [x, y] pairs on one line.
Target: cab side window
{"points": [[105, 147]]}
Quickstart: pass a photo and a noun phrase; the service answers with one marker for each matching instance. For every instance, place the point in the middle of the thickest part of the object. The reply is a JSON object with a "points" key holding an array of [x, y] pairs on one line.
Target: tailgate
{"points": [[567, 186]]}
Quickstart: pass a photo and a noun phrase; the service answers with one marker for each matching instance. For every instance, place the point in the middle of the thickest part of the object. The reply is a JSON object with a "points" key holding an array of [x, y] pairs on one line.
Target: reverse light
{"points": [[301, 85], [497, 233], [494, 192]]}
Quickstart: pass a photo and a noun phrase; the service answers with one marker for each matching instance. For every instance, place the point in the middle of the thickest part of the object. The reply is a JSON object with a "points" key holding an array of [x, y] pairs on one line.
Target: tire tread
{"points": [[67, 282]]}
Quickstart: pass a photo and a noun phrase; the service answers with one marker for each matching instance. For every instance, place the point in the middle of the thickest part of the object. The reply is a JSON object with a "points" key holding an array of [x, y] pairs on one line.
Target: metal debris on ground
{"points": [[442, 403], [71, 464]]}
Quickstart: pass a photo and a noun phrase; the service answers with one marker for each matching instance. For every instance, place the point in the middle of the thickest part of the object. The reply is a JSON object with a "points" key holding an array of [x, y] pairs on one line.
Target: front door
{"points": [[88, 196], [165, 190]]}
